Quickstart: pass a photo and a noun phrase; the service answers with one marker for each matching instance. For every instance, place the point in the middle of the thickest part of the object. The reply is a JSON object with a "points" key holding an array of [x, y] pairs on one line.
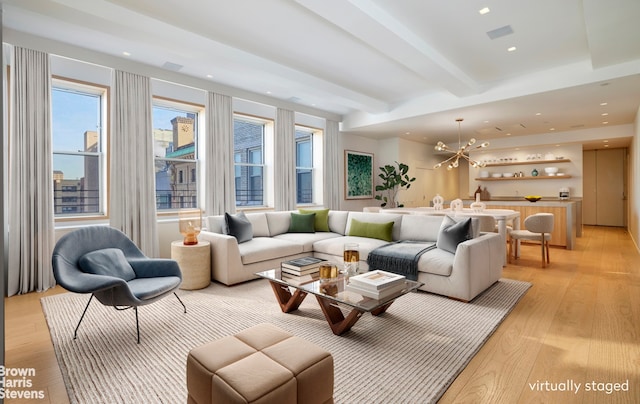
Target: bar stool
{"points": [[538, 227]]}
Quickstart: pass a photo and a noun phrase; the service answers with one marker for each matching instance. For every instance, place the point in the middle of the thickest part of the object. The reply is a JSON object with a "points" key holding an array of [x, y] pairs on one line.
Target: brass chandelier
{"points": [[460, 153]]}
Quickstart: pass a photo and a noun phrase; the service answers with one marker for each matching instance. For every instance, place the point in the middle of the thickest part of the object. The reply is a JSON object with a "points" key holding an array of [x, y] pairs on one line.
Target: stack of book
{"points": [[301, 266], [376, 284]]}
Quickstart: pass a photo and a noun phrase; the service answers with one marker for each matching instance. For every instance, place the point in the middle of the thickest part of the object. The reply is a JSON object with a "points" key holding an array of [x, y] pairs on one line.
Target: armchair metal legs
{"points": [[75, 332], [135, 308]]}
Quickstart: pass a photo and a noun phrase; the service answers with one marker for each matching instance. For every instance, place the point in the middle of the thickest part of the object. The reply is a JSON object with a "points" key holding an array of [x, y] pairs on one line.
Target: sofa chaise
{"points": [[474, 266]]}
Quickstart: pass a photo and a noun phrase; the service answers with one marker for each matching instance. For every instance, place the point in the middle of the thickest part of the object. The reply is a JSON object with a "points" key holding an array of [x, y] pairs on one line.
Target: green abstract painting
{"points": [[358, 172]]}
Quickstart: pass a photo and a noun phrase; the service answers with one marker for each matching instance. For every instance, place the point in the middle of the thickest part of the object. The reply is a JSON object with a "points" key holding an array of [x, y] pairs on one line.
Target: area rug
{"points": [[412, 353]]}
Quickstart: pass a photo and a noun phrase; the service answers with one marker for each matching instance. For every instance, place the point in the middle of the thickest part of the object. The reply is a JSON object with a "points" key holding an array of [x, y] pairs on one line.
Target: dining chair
{"points": [[537, 227]]}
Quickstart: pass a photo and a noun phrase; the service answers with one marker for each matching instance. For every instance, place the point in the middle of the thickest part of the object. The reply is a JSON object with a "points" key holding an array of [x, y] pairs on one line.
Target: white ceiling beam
{"points": [[378, 29]]}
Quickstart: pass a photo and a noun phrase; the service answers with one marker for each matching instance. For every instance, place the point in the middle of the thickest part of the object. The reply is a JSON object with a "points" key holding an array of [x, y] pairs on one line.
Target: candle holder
{"points": [[190, 223]]}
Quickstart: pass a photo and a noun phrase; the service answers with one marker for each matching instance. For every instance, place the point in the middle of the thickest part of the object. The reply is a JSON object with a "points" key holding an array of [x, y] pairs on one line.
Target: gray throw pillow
{"points": [[453, 233], [107, 261], [238, 226]]}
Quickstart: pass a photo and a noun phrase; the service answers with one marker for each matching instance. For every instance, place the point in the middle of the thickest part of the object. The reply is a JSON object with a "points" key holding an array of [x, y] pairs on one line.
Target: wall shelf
{"points": [[525, 162], [540, 177]]}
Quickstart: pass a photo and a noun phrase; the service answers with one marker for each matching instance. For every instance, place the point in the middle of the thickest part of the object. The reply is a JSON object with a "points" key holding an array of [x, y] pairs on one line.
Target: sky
{"points": [[75, 113]]}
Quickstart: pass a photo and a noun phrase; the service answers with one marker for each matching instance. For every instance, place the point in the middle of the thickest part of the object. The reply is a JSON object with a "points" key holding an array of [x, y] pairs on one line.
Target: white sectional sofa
{"points": [[476, 264]]}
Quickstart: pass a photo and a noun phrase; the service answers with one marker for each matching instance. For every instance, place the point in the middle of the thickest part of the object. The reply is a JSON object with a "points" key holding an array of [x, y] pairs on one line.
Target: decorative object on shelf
{"points": [[478, 194], [394, 179], [190, 224], [533, 198], [549, 156], [534, 172], [456, 205], [438, 202], [551, 170], [457, 154]]}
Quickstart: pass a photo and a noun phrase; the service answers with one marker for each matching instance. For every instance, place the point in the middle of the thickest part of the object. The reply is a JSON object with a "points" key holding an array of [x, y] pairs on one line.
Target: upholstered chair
{"points": [[538, 228], [103, 261]]}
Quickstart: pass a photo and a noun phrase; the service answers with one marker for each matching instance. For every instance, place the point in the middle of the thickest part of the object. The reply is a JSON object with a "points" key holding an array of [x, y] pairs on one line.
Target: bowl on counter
{"points": [[533, 198]]}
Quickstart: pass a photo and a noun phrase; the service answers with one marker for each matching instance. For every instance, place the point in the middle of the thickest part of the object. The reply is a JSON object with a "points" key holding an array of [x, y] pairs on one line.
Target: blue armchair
{"points": [[103, 261]]}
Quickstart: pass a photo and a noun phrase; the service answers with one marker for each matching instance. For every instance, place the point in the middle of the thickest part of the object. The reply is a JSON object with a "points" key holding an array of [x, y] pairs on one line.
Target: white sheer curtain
{"points": [[132, 191], [331, 165], [31, 223], [219, 174], [285, 162]]}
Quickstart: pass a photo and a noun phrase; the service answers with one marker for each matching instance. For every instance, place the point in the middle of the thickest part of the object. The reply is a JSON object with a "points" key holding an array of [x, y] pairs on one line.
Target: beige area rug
{"points": [[412, 353]]}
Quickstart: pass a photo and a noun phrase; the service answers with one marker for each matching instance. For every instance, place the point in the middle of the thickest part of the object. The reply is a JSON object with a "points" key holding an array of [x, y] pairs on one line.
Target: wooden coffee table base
{"points": [[337, 321]]}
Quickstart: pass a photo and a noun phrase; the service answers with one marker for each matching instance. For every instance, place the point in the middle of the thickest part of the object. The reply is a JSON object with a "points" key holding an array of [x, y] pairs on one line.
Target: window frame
{"points": [[267, 185], [103, 92], [180, 174], [307, 137]]}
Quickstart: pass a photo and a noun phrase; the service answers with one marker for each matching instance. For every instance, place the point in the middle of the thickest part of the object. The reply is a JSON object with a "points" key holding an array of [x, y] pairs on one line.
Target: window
{"points": [[77, 111], [248, 143], [175, 134], [304, 167]]}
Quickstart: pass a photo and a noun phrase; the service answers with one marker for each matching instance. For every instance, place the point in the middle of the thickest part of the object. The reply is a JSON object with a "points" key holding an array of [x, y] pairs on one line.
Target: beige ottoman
{"points": [[262, 364]]}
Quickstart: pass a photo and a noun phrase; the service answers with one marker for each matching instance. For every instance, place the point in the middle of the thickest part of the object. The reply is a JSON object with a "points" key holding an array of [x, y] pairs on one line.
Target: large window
{"points": [[304, 166], [248, 144], [78, 111], [175, 134]]}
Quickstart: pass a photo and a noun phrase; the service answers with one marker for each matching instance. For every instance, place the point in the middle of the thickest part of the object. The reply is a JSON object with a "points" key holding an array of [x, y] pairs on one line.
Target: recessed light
{"points": [[604, 114], [484, 10], [538, 113], [126, 53], [268, 92], [605, 122], [407, 133], [605, 141], [606, 145], [604, 103], [508, 134], [209, 76], [552, 128], [511, 49]]}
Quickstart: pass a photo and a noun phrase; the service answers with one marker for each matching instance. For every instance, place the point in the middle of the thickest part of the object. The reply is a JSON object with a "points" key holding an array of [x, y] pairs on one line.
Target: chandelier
{"points": [[457, 154]]}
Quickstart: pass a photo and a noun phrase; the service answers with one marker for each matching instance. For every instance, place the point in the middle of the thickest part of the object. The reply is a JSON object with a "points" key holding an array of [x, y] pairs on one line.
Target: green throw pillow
{"points": [[302, 223], [322, 218], [382, 231]]}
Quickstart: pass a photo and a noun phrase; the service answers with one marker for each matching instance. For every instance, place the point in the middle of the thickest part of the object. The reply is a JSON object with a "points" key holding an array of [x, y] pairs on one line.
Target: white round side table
{"points": [[195, 263]]}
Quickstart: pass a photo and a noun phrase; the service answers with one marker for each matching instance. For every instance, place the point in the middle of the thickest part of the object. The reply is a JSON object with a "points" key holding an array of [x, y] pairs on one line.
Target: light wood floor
{"points": [[579, 323]]}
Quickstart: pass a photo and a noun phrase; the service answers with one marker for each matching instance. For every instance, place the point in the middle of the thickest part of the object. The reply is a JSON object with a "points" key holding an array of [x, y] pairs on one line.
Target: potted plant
{"points": [[394, 178]]}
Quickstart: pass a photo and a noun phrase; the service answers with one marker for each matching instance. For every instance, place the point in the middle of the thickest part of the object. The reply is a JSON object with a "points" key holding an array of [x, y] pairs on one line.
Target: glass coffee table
{"points": [[330, 293]]}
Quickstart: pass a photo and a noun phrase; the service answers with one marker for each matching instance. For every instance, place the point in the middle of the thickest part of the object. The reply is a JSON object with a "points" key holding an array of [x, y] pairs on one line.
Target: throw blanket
{"points": [[400, 257]]}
